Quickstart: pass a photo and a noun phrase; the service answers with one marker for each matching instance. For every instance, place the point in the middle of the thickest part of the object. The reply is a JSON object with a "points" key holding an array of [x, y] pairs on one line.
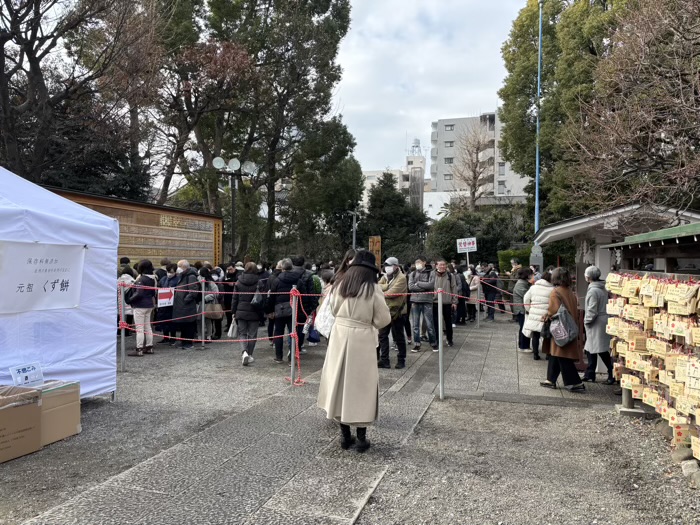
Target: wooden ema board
{"points": [[657, 343]]}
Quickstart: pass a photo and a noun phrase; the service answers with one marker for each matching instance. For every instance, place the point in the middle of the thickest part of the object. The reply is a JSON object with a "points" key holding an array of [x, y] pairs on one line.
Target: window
{"points": [[491, 144], [449, 127], [501, 187], [501, 169], [449, 160], [405, 177], [449, 143], [447, 176], [410, 163]]}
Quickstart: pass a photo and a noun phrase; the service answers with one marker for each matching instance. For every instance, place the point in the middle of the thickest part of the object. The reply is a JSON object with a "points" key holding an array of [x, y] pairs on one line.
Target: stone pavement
{"points": [[276, 459]]}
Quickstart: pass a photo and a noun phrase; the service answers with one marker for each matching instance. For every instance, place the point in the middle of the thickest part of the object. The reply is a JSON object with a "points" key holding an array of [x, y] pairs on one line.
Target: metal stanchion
{"points": [[204, 320], [293, 354], [441, 322], [123, 330], [478, 307]]}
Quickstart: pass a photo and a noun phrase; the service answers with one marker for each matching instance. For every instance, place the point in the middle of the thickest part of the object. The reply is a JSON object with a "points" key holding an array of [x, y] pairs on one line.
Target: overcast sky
{"points": [[407, 63]]}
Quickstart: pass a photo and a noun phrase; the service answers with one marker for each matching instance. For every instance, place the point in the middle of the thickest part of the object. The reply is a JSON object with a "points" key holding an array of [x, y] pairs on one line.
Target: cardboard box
{"points": [[60, 410], [20, 422]]}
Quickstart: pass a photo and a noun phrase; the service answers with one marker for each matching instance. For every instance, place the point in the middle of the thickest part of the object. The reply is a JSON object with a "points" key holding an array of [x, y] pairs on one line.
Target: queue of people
{"points": [[370, 306]]}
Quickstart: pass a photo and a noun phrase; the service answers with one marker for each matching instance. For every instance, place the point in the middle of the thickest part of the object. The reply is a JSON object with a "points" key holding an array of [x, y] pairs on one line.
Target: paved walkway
{"points": [[278, 460]]}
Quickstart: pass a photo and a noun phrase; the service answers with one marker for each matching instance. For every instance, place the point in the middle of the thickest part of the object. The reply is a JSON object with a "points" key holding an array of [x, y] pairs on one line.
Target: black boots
{"points": [[362, 441], [346, 438]]}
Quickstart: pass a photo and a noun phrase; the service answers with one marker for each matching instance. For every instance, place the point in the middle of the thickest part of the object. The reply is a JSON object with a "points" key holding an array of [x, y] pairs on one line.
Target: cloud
{"points": [[407, 63]]}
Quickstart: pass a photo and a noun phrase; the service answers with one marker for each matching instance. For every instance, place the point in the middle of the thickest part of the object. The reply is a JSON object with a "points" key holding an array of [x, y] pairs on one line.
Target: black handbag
{"points": [[546, 332]]}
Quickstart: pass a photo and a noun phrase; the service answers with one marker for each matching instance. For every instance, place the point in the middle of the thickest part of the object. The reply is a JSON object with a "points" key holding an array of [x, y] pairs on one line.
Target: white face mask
{"points": [[180, 270], [214, 277], [313, 268], [420, 267], [171, 275], [259, 267], [389, 270]]}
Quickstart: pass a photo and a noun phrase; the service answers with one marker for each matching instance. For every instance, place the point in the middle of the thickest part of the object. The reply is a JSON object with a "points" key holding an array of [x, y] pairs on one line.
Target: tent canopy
{"points": [[72, 343]]}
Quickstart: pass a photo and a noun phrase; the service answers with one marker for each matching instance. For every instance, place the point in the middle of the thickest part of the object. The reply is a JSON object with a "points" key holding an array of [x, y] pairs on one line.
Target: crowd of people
{"points": [[370, 305]]}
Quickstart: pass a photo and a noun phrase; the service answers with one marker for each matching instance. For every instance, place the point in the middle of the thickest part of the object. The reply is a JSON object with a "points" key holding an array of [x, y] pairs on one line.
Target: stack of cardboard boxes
{"points": [[656, 339], [31, 418]]}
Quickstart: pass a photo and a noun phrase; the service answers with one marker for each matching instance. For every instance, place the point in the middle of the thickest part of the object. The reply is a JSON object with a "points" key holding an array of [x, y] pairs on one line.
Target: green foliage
{"points": [[401, 226], [495, 229], [575, 39], [520, 254]]}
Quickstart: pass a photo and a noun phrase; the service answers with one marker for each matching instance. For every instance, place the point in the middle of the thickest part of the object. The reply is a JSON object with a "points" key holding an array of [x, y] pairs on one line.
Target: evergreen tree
{"points": [[401, 226]]}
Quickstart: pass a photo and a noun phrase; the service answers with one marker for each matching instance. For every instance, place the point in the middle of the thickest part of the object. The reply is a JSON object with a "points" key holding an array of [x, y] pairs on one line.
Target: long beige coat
{"points": [[349, 390]]}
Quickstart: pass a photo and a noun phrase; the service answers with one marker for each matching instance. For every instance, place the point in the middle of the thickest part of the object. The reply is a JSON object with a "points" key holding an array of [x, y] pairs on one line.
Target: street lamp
{"points": [[539, 99], [354, 229], [233, 167]]}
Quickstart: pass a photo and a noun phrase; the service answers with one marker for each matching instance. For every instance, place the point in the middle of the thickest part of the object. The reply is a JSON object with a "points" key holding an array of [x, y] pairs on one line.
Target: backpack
{"points": [[563, 327]]}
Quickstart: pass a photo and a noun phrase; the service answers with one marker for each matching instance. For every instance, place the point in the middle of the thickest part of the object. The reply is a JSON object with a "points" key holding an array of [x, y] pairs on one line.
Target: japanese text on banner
{"points": [[40, 276]]}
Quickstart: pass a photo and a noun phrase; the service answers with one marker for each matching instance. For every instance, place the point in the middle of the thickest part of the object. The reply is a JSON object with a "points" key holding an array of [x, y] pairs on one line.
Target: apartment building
{"points": [[507, 187], [410, 180]]}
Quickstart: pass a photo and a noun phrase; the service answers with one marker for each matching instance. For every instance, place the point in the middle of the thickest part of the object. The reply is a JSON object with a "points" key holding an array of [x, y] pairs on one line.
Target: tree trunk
{"points": [[134, 135], [270, 226]]}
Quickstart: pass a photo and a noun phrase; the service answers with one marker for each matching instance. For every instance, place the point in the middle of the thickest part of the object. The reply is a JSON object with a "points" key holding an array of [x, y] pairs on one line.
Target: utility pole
{"points": [[354, 229]]}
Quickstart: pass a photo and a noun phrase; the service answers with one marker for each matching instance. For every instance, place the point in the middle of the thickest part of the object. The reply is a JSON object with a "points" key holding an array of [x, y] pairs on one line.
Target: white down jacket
{"points": [[537, 301]]}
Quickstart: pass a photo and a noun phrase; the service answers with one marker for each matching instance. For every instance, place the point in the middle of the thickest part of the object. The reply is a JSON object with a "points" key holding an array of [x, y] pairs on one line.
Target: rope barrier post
{"points": [[478, 305], [293, 351], [122, 307], [204, 320], [441, 322]]}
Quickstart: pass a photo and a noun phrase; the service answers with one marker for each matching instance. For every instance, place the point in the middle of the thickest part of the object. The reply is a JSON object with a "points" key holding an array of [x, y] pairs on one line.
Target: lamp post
{"points": [[536, 255], [539, 99], [354, 229], [233, 168]]}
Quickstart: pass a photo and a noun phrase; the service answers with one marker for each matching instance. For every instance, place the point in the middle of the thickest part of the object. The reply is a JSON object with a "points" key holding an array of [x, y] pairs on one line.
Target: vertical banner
{"points": [[37, 276], [375, 246]]}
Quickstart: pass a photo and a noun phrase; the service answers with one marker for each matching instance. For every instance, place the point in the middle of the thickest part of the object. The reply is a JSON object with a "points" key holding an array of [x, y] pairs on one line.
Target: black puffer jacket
{"points": [[240, 305], [282, 285]]}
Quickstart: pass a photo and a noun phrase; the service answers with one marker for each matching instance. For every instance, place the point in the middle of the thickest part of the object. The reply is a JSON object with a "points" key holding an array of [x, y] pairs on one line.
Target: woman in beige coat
{"points": [[349, 390]]}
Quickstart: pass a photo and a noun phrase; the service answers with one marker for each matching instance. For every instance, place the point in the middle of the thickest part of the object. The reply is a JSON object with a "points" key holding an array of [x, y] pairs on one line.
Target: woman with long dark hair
{"points": [[349, 390], [344, 265]]}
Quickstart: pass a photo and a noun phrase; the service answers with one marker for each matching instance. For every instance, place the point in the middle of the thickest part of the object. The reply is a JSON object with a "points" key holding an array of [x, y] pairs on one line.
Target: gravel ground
{"points": [[482, 462]]}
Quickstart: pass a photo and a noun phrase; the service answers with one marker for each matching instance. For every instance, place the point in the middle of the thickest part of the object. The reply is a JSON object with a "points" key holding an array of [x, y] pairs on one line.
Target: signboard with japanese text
{"points": [[38, 276], [166, 296], [467, 245], [375, 246], [27, 375]]}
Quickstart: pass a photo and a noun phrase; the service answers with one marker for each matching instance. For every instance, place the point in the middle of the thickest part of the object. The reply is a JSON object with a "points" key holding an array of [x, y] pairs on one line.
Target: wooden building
{"points": [[150, 231]]}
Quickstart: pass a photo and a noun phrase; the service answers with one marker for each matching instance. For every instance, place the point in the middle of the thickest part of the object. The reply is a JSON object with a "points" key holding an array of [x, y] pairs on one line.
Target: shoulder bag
{"points": [[563, 326], [325, 318]]}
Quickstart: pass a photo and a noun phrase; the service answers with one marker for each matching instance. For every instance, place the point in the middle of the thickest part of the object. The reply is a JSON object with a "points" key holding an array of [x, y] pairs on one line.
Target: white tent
{"points": [[75, 343]]}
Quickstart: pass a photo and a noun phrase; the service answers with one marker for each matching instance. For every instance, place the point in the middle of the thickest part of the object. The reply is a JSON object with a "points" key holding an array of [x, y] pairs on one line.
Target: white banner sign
{"points": [[39, 276], [467, 245]]}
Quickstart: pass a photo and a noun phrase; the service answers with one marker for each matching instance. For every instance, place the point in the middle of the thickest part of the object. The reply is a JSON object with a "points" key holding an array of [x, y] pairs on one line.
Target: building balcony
{"points": [[433, 169], [433, 153], [433, 136]]}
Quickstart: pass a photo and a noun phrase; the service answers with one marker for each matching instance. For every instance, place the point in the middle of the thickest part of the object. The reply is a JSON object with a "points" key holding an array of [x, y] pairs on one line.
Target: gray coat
{"points": [[421, 281], [596, 318], [519, 290]]}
